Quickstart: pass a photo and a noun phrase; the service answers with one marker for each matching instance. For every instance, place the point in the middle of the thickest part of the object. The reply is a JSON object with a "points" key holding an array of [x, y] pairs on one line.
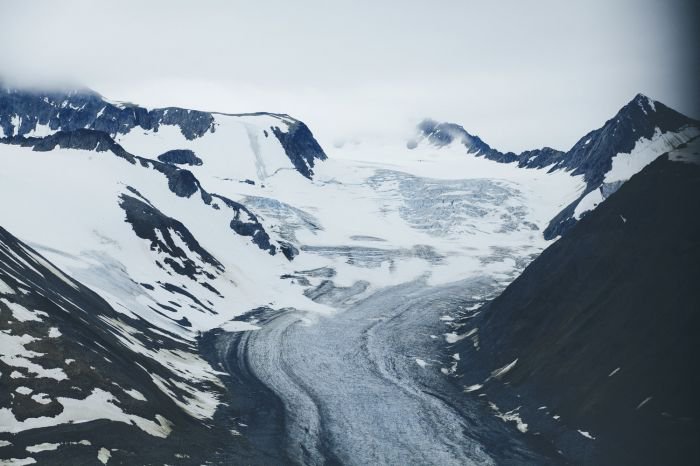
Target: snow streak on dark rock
{"points": [[151, 224]]}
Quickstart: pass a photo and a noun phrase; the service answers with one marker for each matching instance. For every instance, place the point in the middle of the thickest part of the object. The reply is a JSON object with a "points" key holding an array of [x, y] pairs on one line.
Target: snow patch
{"points": [[645, 401], [43, 447], [498, 373], [21, 313], [135, 394], [4, 287], [98, 405], [200, 404], [589, 202], [103, 455], [454, 338], [16, 355], [510, 416], [15, 121], [40, 131], [18, 461], [41, 398], [238, 326]]}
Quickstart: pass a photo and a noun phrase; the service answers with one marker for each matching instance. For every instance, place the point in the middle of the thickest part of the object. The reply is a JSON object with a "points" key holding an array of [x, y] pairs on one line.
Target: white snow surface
{"points": [[238, 326], [432, 213], [238, 149], [102, 251], [589, 202], [135, 394], [429, 212], [20, 313]]}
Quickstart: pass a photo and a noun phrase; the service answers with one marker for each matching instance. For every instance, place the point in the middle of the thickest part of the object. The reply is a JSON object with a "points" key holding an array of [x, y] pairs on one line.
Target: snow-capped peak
{"points": [[647, 104], [641, 130]]}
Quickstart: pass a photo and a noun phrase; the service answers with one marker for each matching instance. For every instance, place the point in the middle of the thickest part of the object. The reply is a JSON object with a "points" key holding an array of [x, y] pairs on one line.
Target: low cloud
{"points": [[520, 76]]}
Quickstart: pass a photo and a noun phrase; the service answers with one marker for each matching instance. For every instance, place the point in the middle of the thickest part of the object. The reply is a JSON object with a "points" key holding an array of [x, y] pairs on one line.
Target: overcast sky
{"points": [[521, 74]]}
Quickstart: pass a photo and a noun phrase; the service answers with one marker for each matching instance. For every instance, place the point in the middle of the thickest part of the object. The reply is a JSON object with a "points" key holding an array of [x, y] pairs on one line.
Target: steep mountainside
{"points": [[595, 345], [606, 157], [74, 386], [154, 257], [443, 134]]}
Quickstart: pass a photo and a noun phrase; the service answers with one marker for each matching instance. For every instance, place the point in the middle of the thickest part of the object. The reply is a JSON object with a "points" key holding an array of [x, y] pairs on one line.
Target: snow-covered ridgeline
{"points": [[275, 141]]}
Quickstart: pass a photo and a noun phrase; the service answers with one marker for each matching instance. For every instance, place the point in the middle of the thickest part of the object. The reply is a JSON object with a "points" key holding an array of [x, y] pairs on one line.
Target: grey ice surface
{"points": [[453, 207], [352, 389]]}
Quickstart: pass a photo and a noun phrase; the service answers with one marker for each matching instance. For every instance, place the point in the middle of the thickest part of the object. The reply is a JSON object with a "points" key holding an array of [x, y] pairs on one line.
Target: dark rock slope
{"points": [[598, 336], [442, 134], [300, 146], [68, 356], [22, 110]]}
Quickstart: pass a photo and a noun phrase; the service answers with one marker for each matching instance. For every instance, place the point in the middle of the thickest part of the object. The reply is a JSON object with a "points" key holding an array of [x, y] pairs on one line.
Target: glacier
{"points": [[241, 265]]}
